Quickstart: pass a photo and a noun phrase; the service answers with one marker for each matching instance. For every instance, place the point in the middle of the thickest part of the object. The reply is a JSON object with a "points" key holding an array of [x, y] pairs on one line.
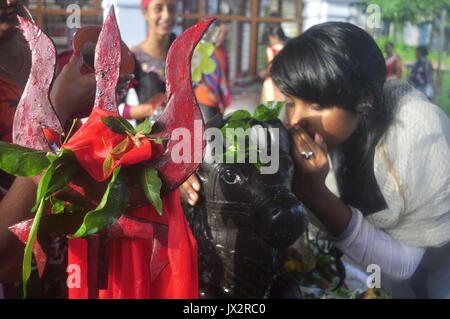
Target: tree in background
{"points": [[398, 12]]}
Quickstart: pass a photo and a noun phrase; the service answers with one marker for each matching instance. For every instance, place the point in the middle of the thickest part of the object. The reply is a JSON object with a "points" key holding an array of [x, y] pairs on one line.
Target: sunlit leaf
{"points": [[21, 161], [26, 265], [121, 147], [268, 111], [145, 127], [108, 165], [58, 206]]}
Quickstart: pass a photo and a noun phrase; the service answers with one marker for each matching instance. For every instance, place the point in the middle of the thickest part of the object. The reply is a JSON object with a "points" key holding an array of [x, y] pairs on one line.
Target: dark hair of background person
{"points": [[389, 43], [423, 50], [277, 30], [339, 64]]}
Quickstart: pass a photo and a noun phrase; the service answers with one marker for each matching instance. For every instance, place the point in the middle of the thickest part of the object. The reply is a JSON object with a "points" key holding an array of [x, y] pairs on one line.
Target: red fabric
{"points": [[394, 67], [94, 142], [160, 264], [145, 3], [130, 270]]}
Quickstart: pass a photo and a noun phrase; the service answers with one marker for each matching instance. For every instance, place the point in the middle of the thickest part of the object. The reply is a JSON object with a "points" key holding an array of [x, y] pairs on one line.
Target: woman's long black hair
{"points": [[339, 64]]}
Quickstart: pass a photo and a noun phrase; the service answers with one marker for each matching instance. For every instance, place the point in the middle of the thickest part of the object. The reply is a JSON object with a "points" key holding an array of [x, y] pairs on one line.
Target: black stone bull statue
{"points": [[241, 221]]}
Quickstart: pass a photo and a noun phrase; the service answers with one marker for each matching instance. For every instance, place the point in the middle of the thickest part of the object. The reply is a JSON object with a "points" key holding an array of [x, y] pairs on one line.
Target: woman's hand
{"points": [[309, 181], [73, 90], [143, 111], [311, 170], [189, 189]]}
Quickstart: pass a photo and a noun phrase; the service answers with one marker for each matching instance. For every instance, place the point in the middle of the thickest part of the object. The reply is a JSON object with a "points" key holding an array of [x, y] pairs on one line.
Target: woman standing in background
{"points": [[421, 76], [394, 65], [150, 56], [277, 40]]}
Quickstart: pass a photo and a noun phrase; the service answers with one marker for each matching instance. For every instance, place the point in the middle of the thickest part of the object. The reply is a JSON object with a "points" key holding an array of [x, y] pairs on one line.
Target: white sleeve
{"points": [[368, 245]]}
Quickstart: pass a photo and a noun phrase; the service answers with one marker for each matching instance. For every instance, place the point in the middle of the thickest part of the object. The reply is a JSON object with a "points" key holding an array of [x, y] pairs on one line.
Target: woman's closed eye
{"points": [[290, 104], [316, 107]]}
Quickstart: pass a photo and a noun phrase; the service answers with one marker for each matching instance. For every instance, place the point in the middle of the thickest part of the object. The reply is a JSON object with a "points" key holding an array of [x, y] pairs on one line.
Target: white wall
{"points": [[319, 11], [131, 23]]}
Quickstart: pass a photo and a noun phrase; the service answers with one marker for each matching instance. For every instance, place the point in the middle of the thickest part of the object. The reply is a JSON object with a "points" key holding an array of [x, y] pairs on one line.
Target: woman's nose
{"points": [[166, 13], [298, 116]]}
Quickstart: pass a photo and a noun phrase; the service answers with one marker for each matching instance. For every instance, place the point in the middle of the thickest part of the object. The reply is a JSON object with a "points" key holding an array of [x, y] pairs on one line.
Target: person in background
{"points": [[394, 65], [421, 76], [277, 40], [213, 90], [389, 150], [150, 58]]}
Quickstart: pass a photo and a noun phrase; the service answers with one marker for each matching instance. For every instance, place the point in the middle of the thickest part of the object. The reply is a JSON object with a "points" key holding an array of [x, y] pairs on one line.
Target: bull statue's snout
{"points": [[279, 217]]}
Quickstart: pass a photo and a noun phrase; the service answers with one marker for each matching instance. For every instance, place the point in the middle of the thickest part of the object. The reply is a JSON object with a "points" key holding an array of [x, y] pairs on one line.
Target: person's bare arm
{"points": [[143, 111], [309, 182], [15, 207]]}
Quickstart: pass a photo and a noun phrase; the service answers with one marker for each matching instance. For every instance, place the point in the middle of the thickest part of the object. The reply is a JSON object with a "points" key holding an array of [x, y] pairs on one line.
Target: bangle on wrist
{"points": [[126, 112]]}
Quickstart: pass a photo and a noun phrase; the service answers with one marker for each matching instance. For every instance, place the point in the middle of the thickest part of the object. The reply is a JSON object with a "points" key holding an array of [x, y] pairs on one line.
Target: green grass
{"points": [[408, 54]]}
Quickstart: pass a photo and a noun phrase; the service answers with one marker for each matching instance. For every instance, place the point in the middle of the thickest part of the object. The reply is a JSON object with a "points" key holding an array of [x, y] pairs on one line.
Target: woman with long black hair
{"points": [[150, 57], [389, 149]]}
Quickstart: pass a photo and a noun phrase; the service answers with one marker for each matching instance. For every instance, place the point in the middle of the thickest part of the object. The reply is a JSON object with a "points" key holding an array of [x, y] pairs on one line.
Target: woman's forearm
{"points": [[333, 213], [15, 207], [367, 245]]}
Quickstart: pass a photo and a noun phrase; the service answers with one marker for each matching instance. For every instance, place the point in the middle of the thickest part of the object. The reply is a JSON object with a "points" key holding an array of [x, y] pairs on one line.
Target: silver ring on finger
{"points": [[307, 155]]}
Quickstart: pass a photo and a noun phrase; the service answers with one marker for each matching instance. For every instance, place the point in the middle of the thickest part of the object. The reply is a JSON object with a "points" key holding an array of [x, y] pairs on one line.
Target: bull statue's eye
{"points": [[231, 177]]}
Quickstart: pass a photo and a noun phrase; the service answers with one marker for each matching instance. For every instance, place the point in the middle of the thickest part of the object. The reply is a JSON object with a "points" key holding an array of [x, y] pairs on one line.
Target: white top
{"points": [[412, 168]]}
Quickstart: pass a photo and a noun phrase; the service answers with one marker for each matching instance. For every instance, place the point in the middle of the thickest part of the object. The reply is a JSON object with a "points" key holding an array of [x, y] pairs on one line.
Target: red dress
{"points": [[143, 254], [269, 91], [162, 263], [394, 67]]}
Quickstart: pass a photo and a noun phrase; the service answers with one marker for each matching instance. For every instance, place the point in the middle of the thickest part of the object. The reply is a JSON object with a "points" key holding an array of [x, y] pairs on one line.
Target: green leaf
{"points": [[59, 173], [151, 185], [26, 265], [108, 165], [118, 125], [21, 161], [121, 147], [73, 208], [232, 125], [268, 111], [145, 127], [62, 176], [208, 66], [239, 115], [43, 185], [58, 206], [111, 207]]}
